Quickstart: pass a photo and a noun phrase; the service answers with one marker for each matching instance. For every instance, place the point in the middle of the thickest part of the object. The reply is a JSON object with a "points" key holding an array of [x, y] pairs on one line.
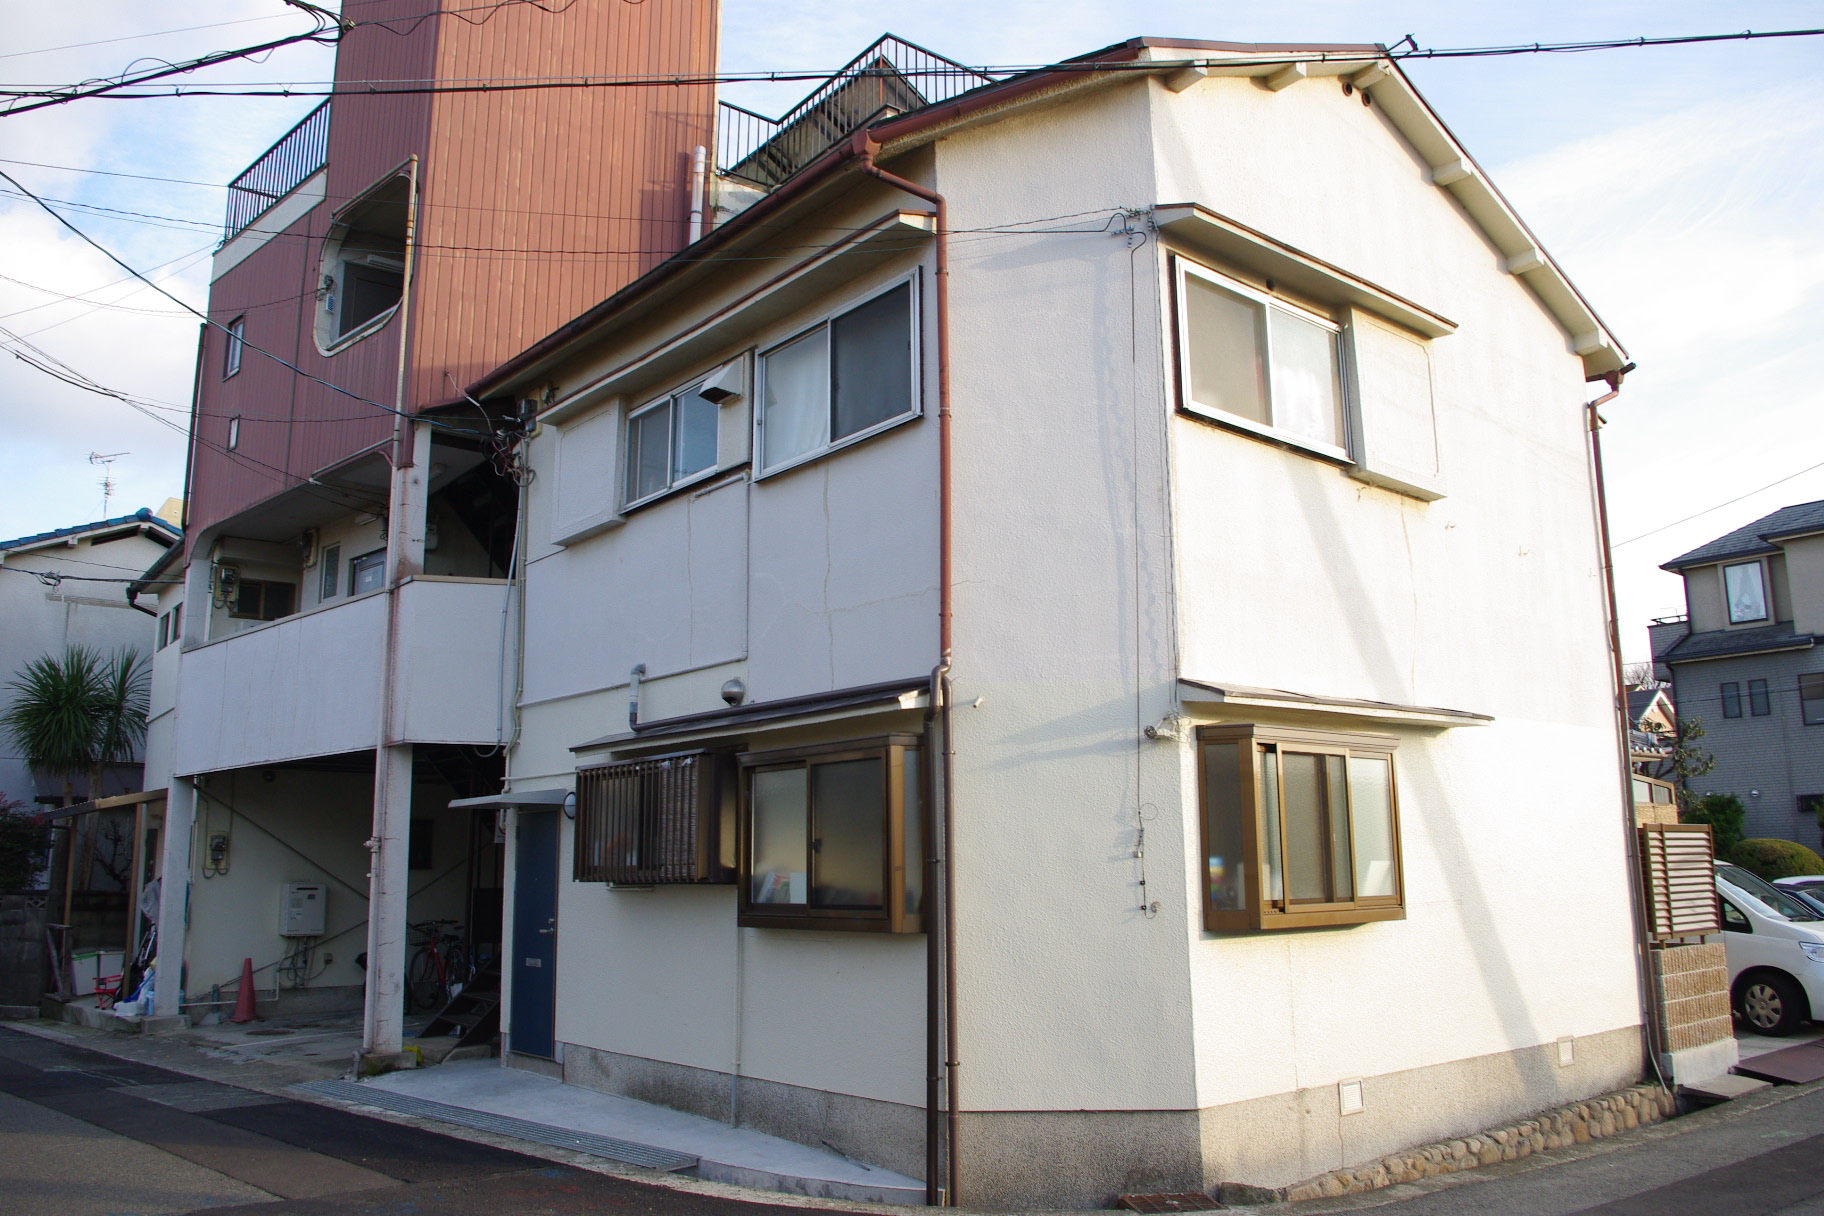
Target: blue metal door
{"points": [[534, 957]]}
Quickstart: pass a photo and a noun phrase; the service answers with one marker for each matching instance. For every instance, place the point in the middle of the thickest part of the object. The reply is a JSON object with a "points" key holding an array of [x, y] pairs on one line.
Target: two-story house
{"points": [[1744, 661], [1008, 686]]}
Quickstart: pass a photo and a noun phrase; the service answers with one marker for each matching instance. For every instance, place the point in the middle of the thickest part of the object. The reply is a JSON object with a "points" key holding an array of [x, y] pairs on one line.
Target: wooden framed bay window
{"points": [[833, 837], [1300, 828]]}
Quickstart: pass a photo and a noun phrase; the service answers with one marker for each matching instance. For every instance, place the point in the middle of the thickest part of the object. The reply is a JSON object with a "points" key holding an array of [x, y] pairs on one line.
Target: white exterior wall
{"points": [[1290, 575], [814, 579]]}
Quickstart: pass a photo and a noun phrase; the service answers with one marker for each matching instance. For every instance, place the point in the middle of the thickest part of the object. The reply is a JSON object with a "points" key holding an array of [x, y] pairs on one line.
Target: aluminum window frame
{"points": [[237, 342], [1811, 692], [1262, 913], [1766, 577], [1729, 692], [896, 752], [1760, 703], [673, 484], [1182, 266], [915, 314]]}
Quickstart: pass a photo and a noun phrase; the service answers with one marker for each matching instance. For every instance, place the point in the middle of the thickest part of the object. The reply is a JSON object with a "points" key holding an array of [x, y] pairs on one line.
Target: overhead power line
{"points": [[207, 320], [37, 96], [1719, 506]]}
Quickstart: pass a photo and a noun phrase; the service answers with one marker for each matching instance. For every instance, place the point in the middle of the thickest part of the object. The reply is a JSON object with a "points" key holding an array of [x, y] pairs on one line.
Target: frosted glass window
{"points": [[848, 849], [1307, 390], [1269, 811], [913, 827], [1227, 339], [1252, 357], [1224, 838], [1371, 811], [781, 837], [1321, 825], [670, 442], [795, 406], [694, 446], [1744, 588], [648, 452]]}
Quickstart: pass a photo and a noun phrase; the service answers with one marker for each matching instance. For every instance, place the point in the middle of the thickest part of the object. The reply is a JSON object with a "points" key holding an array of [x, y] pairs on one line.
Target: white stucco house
{"points": [[1058, 646], [1064, 645], [63, 588]]}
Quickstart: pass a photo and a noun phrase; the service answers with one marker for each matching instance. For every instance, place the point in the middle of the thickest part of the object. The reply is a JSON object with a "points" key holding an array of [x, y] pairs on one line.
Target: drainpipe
{"points": [[940, 873], [698, 171], [1649, 1005], [633, 695]]}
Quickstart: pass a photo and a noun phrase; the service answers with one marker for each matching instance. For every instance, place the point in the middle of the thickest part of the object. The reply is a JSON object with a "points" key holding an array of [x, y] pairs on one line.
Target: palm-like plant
{"points": [[79, 712]]}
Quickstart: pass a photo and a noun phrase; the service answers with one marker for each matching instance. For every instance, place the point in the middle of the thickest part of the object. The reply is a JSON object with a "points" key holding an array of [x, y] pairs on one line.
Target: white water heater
{"points": [[302, 911]]}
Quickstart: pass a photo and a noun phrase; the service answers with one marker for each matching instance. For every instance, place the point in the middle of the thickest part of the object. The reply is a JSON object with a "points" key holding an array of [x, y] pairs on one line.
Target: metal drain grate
{"points": [[504, 1125]]}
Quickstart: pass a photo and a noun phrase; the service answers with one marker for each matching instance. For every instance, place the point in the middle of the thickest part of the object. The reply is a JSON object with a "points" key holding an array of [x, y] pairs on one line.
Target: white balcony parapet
{"points": [[311, 684]]}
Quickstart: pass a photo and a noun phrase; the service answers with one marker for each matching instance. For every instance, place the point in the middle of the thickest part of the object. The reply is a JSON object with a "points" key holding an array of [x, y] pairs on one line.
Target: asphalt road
{"points": [[83, 1133]]}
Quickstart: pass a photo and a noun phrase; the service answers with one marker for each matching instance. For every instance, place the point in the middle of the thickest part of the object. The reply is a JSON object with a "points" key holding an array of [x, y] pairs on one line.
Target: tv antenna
{"points": [[106, 461]]}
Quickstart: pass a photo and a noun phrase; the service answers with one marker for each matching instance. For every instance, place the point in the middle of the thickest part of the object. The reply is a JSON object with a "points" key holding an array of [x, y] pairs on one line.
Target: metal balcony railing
{"points": [[299, 153], [890, 77]]}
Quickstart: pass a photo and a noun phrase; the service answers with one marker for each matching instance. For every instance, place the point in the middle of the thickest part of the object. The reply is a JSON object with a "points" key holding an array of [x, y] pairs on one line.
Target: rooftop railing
{"points": [[890, 77], [285, 166]]}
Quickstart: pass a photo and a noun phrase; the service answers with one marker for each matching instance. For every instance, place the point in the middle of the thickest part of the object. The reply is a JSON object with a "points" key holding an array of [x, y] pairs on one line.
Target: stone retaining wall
{"points": [[1577, 1123]]}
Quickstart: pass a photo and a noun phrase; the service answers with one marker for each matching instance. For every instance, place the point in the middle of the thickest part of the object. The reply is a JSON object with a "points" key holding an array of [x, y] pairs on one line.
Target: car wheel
{"points": [[1771, 1003]]}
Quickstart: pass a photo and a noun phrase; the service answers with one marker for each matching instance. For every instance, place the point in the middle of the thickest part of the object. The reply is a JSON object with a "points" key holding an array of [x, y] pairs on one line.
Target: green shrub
{"points": [[1724, 813], [1773, 859]]}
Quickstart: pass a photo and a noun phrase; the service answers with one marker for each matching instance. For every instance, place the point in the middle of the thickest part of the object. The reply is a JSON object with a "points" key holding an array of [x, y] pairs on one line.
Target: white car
{"points": [[1775, 943]]}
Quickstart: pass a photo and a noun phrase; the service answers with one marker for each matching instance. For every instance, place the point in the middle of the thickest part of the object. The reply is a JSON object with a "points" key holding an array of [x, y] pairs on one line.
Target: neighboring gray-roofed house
{"points": [[1745, 661]]}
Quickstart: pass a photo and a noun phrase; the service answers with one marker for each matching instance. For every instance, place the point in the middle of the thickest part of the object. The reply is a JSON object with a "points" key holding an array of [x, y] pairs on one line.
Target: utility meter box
{"points": [[301, 914]]}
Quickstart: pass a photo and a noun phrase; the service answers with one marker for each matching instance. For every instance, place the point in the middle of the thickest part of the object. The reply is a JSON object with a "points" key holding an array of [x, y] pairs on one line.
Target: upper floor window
{"points": [[670, 442], [231, 354], [842, 379], [234, 432], [362, 274], [259, 599], [367, 572], [1732, 699], [1758, 703], [1745, 589], [1811, 699], [1259, 362], [171, 626], [1300, 828]]}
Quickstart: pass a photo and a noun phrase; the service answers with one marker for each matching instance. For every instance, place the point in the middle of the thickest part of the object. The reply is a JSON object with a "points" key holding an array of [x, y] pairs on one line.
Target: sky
{"points": [[1679, 187]]}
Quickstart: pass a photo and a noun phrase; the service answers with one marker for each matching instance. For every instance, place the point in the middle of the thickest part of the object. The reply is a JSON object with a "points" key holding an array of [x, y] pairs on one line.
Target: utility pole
{"points": [[107, 475]]}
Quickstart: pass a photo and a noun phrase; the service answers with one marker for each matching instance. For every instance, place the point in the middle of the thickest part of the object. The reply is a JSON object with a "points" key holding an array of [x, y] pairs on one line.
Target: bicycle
{"points": [[439, 967]]}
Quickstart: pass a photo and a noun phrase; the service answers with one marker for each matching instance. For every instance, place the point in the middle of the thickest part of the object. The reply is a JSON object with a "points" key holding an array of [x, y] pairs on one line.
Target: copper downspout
{"points": [[1649, 1006], [939, 872]]}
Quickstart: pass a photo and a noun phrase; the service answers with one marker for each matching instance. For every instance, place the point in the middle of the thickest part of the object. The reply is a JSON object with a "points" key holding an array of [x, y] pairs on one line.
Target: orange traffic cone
{"points": [[243, 1002]]}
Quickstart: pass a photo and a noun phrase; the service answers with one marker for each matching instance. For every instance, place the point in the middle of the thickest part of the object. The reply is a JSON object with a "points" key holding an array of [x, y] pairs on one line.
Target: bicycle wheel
{"points": [[423, 983]]}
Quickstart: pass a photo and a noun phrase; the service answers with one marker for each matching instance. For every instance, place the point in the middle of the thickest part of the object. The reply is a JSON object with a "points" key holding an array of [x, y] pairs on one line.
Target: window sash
{"points": [[1289, 399], [1745, 592], [1811, 699], [367, 572], [794, 870], [803, 408], [1732, 699], [1759, 705], [1251, 859], [671, 442], [231, 354]]}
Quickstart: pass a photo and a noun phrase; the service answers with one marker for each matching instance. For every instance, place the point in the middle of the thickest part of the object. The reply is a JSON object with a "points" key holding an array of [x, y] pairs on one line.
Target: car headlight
{"points": [[1813, 951]]}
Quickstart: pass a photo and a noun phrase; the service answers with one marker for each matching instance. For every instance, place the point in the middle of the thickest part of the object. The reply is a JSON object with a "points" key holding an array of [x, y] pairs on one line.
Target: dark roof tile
{"points": [[1755, 538]]}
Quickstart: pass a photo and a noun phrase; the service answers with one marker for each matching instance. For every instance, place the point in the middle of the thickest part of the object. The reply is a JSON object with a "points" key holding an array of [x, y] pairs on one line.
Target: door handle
{"points": [[547, 930]]}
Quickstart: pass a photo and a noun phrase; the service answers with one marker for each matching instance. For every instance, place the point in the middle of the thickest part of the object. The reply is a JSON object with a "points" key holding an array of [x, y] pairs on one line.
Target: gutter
{"points": [[1649, 1007]]}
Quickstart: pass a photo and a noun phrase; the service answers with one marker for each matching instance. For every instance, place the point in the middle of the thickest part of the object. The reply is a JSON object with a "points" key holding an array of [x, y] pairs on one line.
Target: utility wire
{"points": [[48, 95], [1719, 506], [207, 320]]}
